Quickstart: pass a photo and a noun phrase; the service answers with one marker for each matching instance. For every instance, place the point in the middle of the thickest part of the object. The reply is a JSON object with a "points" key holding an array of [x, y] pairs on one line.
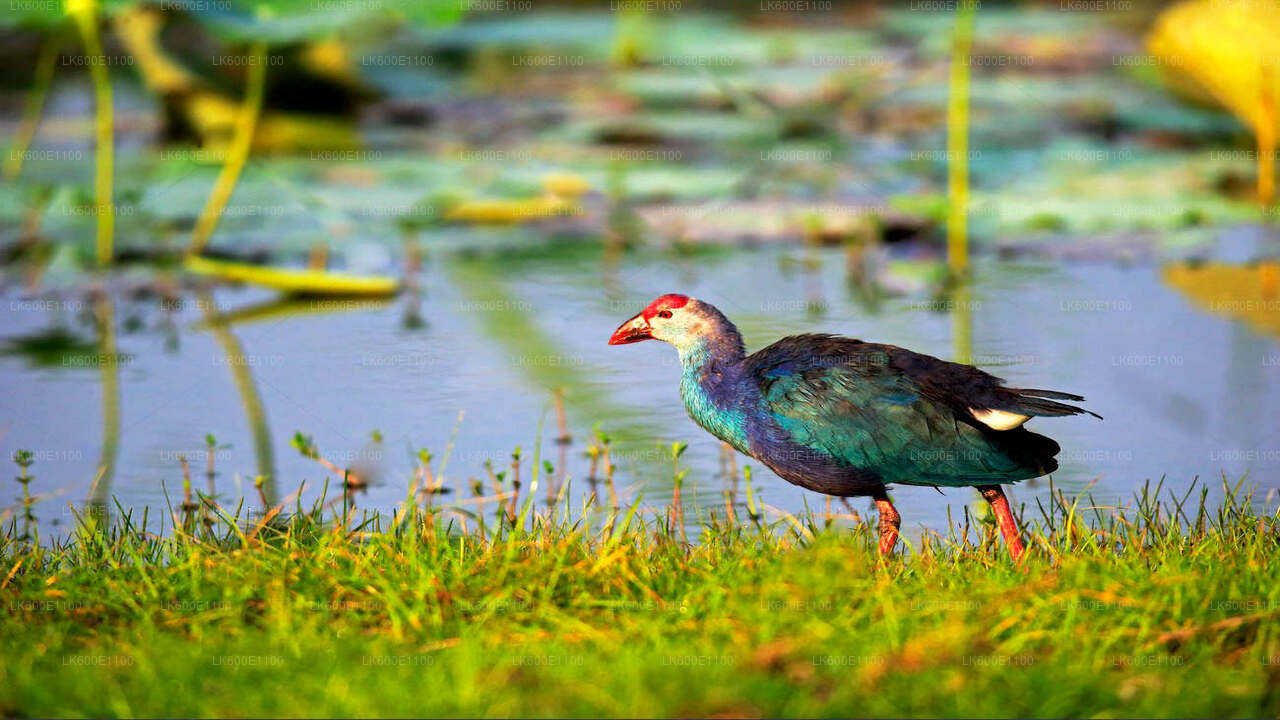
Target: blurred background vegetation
{"points": [[417, 115]]}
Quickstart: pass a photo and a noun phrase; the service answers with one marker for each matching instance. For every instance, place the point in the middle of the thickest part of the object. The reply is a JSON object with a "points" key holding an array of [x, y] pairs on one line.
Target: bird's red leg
{"points": [[1004, 518], [890, 521]]}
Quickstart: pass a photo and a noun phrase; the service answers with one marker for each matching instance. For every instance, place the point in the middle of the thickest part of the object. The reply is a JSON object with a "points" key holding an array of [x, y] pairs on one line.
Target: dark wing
{"points": [[964, 386], [903, 414]]}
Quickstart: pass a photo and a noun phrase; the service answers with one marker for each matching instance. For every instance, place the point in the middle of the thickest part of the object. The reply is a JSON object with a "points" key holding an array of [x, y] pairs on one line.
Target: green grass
{"points": [[1160, 609]]}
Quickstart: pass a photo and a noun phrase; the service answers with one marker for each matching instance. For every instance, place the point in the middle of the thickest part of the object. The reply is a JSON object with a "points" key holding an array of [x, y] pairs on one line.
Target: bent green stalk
{"points": [[34, 107], [85, 14], [237, 155]]}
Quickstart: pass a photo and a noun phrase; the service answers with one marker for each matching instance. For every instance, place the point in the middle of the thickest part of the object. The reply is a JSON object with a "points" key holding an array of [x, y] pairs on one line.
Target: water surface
{"points": [[473, 359]]}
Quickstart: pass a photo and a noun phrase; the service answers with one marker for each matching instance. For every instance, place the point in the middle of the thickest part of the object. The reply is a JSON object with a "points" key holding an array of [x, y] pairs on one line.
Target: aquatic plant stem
{"points": [[237, 155], [85, 14], [958, 141], [34, 107]]}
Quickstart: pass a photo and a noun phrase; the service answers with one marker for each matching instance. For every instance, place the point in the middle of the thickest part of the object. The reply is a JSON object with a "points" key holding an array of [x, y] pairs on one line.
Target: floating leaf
{"points": [[295, 281]]}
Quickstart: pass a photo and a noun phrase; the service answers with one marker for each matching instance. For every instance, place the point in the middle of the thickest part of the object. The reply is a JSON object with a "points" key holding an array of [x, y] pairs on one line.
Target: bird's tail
{"points": [[1045, 403], [1030, 450]]}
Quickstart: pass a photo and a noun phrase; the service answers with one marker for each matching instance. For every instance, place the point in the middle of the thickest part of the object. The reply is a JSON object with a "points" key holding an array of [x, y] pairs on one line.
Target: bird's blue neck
{"points": [[714, 388]]}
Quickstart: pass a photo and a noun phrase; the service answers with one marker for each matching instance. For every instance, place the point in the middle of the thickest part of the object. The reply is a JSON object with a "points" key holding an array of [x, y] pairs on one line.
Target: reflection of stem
{"points": [[962, 322], [1267, 142], [562, 423], [958, 141], [608, 478], [413, 293], [812, 269], [110, 375], [610, 264], [86, 17], [504, 319], [34, 108], [249, 398], [238, 153]]}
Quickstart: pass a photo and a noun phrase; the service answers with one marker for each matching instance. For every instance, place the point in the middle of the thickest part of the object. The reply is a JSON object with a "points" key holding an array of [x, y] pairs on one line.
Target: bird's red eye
{"points": [[664, 314]]}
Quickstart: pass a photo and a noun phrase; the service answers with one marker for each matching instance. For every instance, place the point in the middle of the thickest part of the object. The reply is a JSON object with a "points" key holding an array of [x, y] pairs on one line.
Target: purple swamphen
{"points": [[846, 417]]}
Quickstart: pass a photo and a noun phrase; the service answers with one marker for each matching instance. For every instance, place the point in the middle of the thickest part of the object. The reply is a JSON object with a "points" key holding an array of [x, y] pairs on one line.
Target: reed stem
{"points": [[958, 141], [238, 154], [85, 14]]}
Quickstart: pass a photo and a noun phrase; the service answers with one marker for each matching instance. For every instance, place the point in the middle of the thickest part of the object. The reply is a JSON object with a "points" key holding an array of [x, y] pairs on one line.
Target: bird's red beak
{"points": [[633, 330]]}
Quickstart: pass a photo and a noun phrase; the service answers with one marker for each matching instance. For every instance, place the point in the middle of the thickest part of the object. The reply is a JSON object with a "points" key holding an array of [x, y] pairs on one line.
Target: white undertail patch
{"points": [[998, 419]]}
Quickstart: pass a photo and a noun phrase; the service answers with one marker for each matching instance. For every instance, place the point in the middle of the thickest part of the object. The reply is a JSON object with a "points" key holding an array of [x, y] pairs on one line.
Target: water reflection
{"points": [[109, 372], [1247, 292], [239, 364]]}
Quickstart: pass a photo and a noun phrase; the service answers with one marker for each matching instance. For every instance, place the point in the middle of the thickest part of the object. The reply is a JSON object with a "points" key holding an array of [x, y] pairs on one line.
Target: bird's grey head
{"points": [[680, 320]]}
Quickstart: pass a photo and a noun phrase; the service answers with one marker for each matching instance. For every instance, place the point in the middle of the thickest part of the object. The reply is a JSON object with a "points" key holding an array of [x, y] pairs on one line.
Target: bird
{"points": [[848, 418]]}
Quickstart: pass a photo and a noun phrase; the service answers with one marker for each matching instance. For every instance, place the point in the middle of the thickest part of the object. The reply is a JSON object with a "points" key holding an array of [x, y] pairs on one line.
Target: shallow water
{"points": [[1185, 393]]}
